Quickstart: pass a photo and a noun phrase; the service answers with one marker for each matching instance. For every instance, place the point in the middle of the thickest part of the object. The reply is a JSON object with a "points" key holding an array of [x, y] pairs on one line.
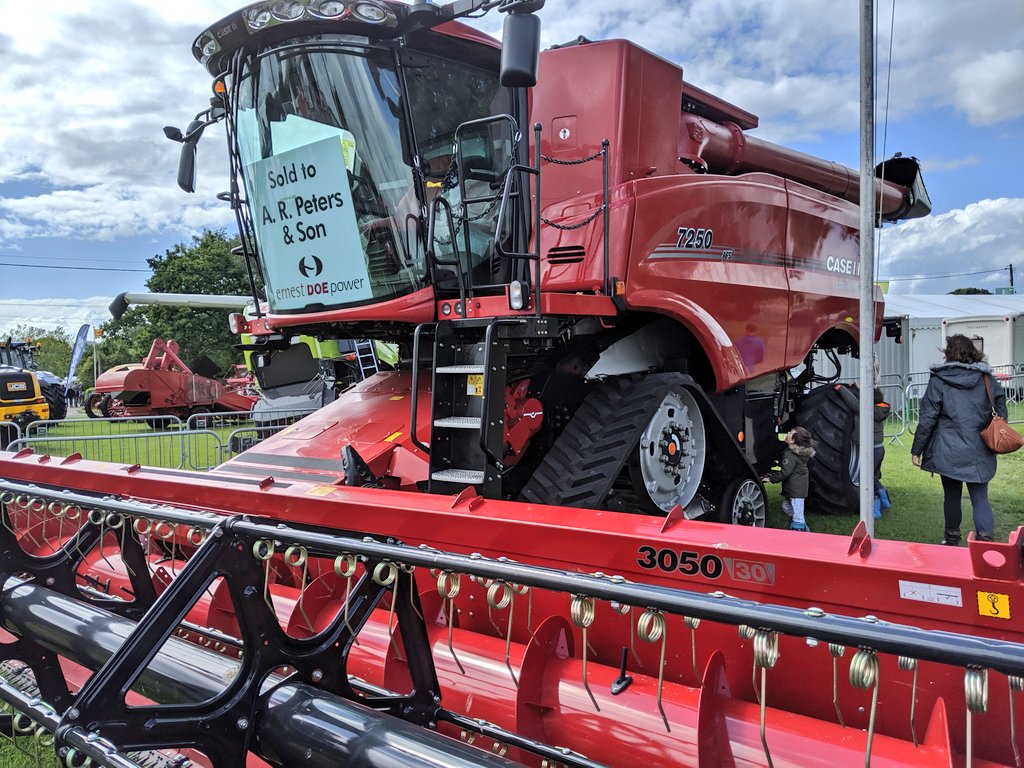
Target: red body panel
{"points": [[372, 417]]}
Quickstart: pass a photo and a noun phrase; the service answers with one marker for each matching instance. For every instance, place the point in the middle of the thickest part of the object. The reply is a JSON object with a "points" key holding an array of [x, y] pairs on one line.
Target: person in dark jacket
{"points": [[794, 476], [954, 410]]}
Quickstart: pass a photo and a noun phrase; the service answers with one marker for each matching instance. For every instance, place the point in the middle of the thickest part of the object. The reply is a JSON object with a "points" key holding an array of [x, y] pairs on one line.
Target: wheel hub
{"points": [[671, 451], [672, 446], [748, 506]]}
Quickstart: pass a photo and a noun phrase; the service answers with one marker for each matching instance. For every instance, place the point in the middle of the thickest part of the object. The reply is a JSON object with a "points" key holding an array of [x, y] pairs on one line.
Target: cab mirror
{"points": [[187, 167], [520, 50]]}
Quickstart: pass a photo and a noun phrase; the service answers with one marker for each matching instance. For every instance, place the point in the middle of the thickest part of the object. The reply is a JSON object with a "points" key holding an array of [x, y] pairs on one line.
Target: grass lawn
{"points": [[27, 756], [916, 495]]}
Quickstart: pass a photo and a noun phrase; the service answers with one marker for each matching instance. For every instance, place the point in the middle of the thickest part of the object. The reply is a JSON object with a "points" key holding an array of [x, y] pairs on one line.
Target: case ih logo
{"points": [[310, 266]]}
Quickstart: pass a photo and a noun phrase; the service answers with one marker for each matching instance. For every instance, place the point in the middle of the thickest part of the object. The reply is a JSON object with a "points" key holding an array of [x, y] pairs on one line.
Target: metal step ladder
{"points": [[467, 436], [366, 357]]}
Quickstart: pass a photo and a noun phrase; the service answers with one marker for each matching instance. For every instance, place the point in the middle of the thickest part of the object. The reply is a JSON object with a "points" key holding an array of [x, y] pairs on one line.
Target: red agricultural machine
{"points": [[162, 385], [511, 549]]}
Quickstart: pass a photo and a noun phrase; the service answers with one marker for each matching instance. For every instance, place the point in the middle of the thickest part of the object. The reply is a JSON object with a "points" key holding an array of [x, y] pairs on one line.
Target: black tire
{"points": [[743, 503], [599, 448], [93, 405], [54, 394], [834, 470]]}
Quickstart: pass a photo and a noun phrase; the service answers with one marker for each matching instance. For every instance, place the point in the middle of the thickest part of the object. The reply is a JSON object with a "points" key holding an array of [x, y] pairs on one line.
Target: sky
{"points": [[87, 178]]}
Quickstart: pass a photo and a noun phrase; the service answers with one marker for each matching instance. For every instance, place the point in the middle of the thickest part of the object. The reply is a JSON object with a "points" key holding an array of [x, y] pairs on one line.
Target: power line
{"points": [[81, 269], [939, 277], [86, 259]]}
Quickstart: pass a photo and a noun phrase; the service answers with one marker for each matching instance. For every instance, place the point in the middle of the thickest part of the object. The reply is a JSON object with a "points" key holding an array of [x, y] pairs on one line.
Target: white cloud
{"points": [[983, 237], [937, 164], [51, 314], [87, 91], [981, 85]]}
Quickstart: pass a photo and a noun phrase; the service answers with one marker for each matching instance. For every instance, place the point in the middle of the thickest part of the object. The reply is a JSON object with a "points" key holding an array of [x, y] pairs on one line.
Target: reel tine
{"points": [[296, 557], [976, 699], [651, 627], [747, 633], [693, 623], [864, 674], [906, 664], [345, 566], [501, 595], [582, 611], [385, 573], [766, 656], [411, 570], [448, 586], [1014, 683], [836, 651], [263, 550]]}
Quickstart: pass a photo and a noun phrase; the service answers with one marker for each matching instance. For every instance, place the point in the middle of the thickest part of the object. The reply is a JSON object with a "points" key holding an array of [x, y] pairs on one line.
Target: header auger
{"points": [[508, 549]]}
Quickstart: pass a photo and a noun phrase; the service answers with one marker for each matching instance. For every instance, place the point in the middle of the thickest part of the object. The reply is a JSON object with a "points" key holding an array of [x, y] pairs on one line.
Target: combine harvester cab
{"points": [[492, 554]]}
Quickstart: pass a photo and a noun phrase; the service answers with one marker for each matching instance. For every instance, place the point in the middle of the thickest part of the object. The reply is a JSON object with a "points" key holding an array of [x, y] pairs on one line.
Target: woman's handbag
{"points": [[999, 436]]}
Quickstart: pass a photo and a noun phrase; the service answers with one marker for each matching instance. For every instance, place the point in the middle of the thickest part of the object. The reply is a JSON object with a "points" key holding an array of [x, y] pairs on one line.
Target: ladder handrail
{"points": [[414, 387], [484, 425]]}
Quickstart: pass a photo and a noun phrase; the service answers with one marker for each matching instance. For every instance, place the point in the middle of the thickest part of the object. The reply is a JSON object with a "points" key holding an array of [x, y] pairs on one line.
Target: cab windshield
{"points": [[322, 137]]}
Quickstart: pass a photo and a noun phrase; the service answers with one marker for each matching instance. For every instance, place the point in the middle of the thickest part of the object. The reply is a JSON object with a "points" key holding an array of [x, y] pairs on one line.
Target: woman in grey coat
{"points": [[954, 410]]}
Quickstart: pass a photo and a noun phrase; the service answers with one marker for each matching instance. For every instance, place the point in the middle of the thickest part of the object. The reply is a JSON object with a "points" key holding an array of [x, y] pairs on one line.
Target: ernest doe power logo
{"points": [[309, 269]]}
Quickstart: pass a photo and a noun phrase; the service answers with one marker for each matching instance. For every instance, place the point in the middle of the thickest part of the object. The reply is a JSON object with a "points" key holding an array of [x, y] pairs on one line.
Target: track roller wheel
{"points": [[743, 503]]}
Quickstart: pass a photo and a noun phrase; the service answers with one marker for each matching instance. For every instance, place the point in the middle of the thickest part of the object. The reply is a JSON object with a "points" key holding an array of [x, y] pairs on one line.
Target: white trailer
{"points": [[1000, 337]]}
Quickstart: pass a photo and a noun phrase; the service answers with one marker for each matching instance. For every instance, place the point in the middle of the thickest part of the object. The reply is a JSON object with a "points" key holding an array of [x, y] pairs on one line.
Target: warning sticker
{"points": [[320, 490], [994, 604], [931, 593], [475, 384]]}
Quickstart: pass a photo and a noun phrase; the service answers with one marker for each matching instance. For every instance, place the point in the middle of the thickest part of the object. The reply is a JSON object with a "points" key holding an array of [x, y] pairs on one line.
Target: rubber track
{"points": [[830, 422], [581, 467]]}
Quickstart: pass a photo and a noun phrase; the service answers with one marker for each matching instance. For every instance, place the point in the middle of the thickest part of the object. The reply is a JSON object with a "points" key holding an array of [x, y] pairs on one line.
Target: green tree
{"points": [[207, 266], [971, 292]]}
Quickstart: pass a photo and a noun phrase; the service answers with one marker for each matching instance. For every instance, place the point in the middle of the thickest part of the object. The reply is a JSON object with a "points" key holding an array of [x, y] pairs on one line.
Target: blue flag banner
{"points": [[76, 355]]}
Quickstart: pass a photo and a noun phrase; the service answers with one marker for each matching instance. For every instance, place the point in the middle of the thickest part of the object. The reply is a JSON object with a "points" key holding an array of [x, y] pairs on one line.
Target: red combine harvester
{"points": [[509, 550], [162, 385]]}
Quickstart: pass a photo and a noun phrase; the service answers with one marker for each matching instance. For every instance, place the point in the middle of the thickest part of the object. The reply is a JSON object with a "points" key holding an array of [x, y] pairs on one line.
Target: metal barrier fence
{"points": [[202, 442], [9, 432], [206, 440], [1010, 377], [184, 449]]}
